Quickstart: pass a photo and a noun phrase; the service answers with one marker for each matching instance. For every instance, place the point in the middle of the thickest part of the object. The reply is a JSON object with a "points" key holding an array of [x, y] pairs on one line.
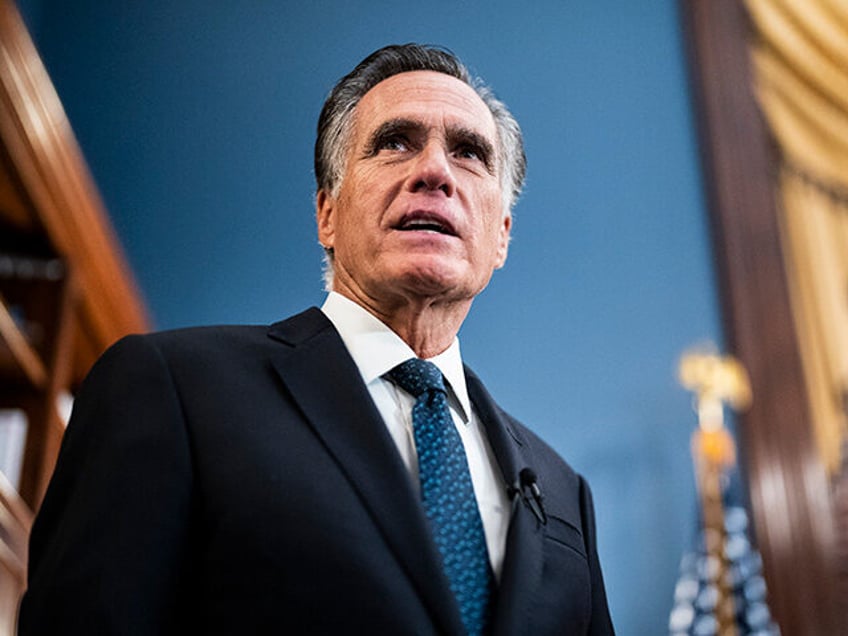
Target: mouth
{"points": [[425, 222]]}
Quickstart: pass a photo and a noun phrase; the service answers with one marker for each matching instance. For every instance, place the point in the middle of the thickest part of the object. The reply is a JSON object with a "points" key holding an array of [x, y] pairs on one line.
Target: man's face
{"points": [[419, 213]]}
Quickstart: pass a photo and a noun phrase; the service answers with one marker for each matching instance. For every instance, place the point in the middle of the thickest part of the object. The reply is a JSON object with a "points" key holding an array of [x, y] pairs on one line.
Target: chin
{"points": [[428, 278], [441, 282]]}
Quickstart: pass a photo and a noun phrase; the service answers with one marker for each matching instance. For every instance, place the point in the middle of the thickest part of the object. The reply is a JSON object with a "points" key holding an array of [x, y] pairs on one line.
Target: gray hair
{"points": [[335, 123]]}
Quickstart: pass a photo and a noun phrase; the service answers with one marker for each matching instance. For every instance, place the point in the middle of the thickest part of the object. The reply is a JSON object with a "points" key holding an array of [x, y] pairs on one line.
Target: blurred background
{"points": [[197, 118]]}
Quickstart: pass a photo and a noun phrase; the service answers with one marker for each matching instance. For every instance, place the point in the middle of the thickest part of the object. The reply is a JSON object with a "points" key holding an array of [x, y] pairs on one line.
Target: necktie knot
{"points": [[417, 376]]}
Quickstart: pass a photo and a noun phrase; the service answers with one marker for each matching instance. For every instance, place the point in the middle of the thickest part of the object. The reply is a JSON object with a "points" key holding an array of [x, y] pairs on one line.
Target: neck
{"points": [[428, 326]]}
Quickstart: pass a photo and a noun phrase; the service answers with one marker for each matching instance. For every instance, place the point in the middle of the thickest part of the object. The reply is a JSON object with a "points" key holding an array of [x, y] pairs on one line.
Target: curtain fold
{"points": [[800, 54]]}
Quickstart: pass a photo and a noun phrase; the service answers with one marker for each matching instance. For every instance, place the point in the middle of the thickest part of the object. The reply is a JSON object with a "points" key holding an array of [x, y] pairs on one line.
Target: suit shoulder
{"points": [[197, 345], [227, 338], [203, 338], [191, 341], [210, 353]]}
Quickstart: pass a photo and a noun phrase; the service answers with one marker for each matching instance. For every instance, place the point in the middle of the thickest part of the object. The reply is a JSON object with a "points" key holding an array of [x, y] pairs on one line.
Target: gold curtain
{"points": [[800, 53]]}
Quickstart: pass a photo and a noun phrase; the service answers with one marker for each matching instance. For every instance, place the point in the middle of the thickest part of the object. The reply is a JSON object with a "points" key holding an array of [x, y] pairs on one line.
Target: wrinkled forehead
{"points": [[428, 96]]}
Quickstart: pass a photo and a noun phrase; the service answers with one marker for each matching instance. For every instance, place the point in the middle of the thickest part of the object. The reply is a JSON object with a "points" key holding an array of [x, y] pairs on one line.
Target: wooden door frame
{"points": [[789, 490]]}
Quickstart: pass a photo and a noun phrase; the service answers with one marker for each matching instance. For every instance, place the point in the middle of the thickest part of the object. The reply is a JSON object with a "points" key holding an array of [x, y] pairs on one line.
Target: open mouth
{"points": [[423, 222]]}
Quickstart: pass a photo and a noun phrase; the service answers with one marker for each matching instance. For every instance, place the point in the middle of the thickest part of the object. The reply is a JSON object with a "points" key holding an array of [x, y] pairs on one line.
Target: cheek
{"points": [[363, 202], [495, 231], [350, 215]]}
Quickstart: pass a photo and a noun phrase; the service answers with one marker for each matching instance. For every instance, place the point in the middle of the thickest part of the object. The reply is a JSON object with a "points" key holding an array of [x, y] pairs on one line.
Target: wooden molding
{"points": [[38, 139]]}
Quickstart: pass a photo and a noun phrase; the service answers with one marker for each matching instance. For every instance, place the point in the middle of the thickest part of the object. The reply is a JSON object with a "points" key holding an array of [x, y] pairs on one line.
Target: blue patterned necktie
{"points": [[447, 492]]}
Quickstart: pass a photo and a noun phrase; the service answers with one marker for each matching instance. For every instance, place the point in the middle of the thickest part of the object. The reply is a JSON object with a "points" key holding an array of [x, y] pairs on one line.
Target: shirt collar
{"points": [[376, 349]]}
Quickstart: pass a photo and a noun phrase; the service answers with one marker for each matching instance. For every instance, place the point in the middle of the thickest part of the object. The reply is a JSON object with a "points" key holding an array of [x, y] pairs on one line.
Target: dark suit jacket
{"points": [[239, 480]]}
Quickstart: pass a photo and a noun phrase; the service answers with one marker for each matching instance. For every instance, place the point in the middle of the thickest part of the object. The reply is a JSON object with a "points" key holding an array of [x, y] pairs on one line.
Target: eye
{"points": [[471, 147], [473, 154], [393, 143], [469, 152]]}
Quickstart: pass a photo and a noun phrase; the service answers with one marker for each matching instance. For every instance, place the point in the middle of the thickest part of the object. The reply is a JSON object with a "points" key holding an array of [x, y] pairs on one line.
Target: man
{"points": [[317, 476]]}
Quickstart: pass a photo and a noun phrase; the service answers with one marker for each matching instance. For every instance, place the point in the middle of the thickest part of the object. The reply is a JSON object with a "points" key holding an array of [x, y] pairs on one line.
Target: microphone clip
{"points": [[527, 485]]}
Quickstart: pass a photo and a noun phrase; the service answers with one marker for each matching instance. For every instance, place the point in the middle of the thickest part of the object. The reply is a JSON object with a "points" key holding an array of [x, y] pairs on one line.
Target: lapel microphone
{"points": [[528, 487]]}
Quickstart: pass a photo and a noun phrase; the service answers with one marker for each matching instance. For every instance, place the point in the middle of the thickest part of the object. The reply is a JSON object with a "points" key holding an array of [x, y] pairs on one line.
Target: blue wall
{"points": [[197, 120]]}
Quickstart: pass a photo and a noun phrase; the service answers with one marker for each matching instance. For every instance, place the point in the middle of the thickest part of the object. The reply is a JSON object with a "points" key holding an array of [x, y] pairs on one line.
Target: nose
{"points": [[432, 170]]}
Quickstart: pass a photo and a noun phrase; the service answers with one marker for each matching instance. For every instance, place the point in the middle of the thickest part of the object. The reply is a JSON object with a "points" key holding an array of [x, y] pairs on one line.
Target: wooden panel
{"points": [[788, 487], [66, 292]]}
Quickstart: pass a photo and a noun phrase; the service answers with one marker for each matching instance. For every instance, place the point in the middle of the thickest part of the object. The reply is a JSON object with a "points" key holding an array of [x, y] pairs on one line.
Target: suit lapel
{"points": [[521, 575], [344, 417]]}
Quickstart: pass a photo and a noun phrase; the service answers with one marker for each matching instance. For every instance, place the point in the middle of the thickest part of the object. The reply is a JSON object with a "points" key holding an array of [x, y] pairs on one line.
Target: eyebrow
{"points": [[455, 134]]}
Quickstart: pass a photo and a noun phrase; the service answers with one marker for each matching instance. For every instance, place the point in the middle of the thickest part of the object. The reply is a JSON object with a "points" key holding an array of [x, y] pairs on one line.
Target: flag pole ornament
{"points": [[721, 590]]}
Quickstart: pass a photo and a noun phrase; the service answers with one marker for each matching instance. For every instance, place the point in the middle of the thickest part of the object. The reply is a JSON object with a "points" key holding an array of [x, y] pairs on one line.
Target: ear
{"points": [[325, 207], [503, 241]]}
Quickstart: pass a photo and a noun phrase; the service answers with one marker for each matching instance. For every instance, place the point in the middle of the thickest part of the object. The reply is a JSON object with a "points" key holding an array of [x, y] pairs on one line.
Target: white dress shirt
{"points": [[376, 349]]}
